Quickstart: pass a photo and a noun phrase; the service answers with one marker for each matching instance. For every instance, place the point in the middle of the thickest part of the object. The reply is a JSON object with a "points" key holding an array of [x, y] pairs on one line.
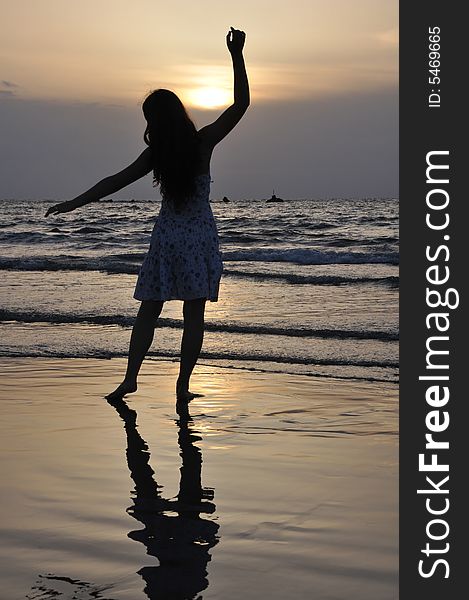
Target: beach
{"points": [[271, 265], [275, 485], [281, 483]]}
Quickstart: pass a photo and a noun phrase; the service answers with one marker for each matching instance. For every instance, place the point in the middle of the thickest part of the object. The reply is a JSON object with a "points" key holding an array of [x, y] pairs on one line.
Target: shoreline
{"points": [[156, 359], [322, 382]]}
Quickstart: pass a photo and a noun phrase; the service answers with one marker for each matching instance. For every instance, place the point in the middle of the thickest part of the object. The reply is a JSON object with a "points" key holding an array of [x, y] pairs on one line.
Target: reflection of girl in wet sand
{"points": [[181, 540], [183, 261]]}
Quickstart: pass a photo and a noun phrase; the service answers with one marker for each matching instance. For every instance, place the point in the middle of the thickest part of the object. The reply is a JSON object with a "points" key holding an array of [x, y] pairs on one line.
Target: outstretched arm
{"points": [[109, 185], [216, 131]]}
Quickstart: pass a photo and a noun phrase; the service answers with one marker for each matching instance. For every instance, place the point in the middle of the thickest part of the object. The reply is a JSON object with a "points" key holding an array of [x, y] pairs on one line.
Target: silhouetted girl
{"points": [[183, 262]]}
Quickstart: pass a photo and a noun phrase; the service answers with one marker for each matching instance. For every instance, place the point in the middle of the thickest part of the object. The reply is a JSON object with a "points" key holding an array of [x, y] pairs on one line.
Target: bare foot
{"points": [[184, 395], [126, 387]]}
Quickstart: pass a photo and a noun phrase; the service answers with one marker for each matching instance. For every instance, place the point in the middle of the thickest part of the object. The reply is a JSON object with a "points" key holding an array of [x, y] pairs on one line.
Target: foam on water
{"points": [[309, 286]]}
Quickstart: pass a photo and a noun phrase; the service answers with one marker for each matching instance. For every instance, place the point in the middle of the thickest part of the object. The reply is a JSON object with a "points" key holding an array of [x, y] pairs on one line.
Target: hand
{"points": [[235, 41], [62, 207]]}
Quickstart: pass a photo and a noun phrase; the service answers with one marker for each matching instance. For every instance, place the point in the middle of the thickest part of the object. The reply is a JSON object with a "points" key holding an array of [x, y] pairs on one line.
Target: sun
{"points": [[209, 97]]}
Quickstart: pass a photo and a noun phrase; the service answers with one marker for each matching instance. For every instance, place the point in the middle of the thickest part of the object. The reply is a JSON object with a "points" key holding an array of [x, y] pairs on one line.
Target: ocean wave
{"points": [[33, 237], [388, 375], [344, 242], [85, 230], [224, 327], [132, 256], [65, 262], [126, 263], [306, 256], [235, 356], [384, 219], [311, 279]]}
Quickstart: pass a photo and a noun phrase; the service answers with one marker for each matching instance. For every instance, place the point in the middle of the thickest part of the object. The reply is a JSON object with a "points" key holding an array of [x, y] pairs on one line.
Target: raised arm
{"points": [[109, 185], [216, 131]]}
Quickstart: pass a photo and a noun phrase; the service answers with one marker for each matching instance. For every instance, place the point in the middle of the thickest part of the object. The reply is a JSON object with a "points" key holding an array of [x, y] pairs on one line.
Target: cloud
{"points": [[9, 84], [10, 92]]}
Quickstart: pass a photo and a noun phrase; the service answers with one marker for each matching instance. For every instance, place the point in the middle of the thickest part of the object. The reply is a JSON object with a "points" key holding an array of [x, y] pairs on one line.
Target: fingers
{"points": [[235, 32], [235, 39], [53, 210]]}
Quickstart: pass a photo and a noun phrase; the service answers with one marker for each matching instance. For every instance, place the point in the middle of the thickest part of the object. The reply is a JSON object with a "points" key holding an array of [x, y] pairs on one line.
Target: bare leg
{"points": [[140, 342], [191, 345]]}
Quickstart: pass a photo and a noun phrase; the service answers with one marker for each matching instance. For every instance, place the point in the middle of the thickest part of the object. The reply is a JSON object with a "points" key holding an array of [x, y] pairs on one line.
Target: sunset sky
{"points": [[323, 75]]}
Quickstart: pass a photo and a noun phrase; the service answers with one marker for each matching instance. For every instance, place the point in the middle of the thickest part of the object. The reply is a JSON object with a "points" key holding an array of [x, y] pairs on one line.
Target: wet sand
{"points": [[278, 486]]}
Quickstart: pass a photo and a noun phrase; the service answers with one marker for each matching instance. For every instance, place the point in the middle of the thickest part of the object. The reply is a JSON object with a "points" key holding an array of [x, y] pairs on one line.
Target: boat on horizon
{"points": [[275, 198]]}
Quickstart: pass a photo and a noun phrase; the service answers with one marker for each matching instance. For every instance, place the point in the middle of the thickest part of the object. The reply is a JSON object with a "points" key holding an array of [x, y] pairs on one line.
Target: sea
{"points": [[310, 287]]}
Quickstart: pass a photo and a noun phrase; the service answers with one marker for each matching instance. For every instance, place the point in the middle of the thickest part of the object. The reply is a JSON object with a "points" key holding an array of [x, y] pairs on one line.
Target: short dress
{"points": [[184, 261]]}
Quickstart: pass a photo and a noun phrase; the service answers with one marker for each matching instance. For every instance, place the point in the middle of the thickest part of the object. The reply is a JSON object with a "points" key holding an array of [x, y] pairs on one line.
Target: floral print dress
{"points": [[183, 261]]}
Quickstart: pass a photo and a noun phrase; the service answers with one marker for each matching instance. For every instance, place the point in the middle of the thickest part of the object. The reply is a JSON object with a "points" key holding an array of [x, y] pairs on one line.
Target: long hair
{"points": [[172, 138]]}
